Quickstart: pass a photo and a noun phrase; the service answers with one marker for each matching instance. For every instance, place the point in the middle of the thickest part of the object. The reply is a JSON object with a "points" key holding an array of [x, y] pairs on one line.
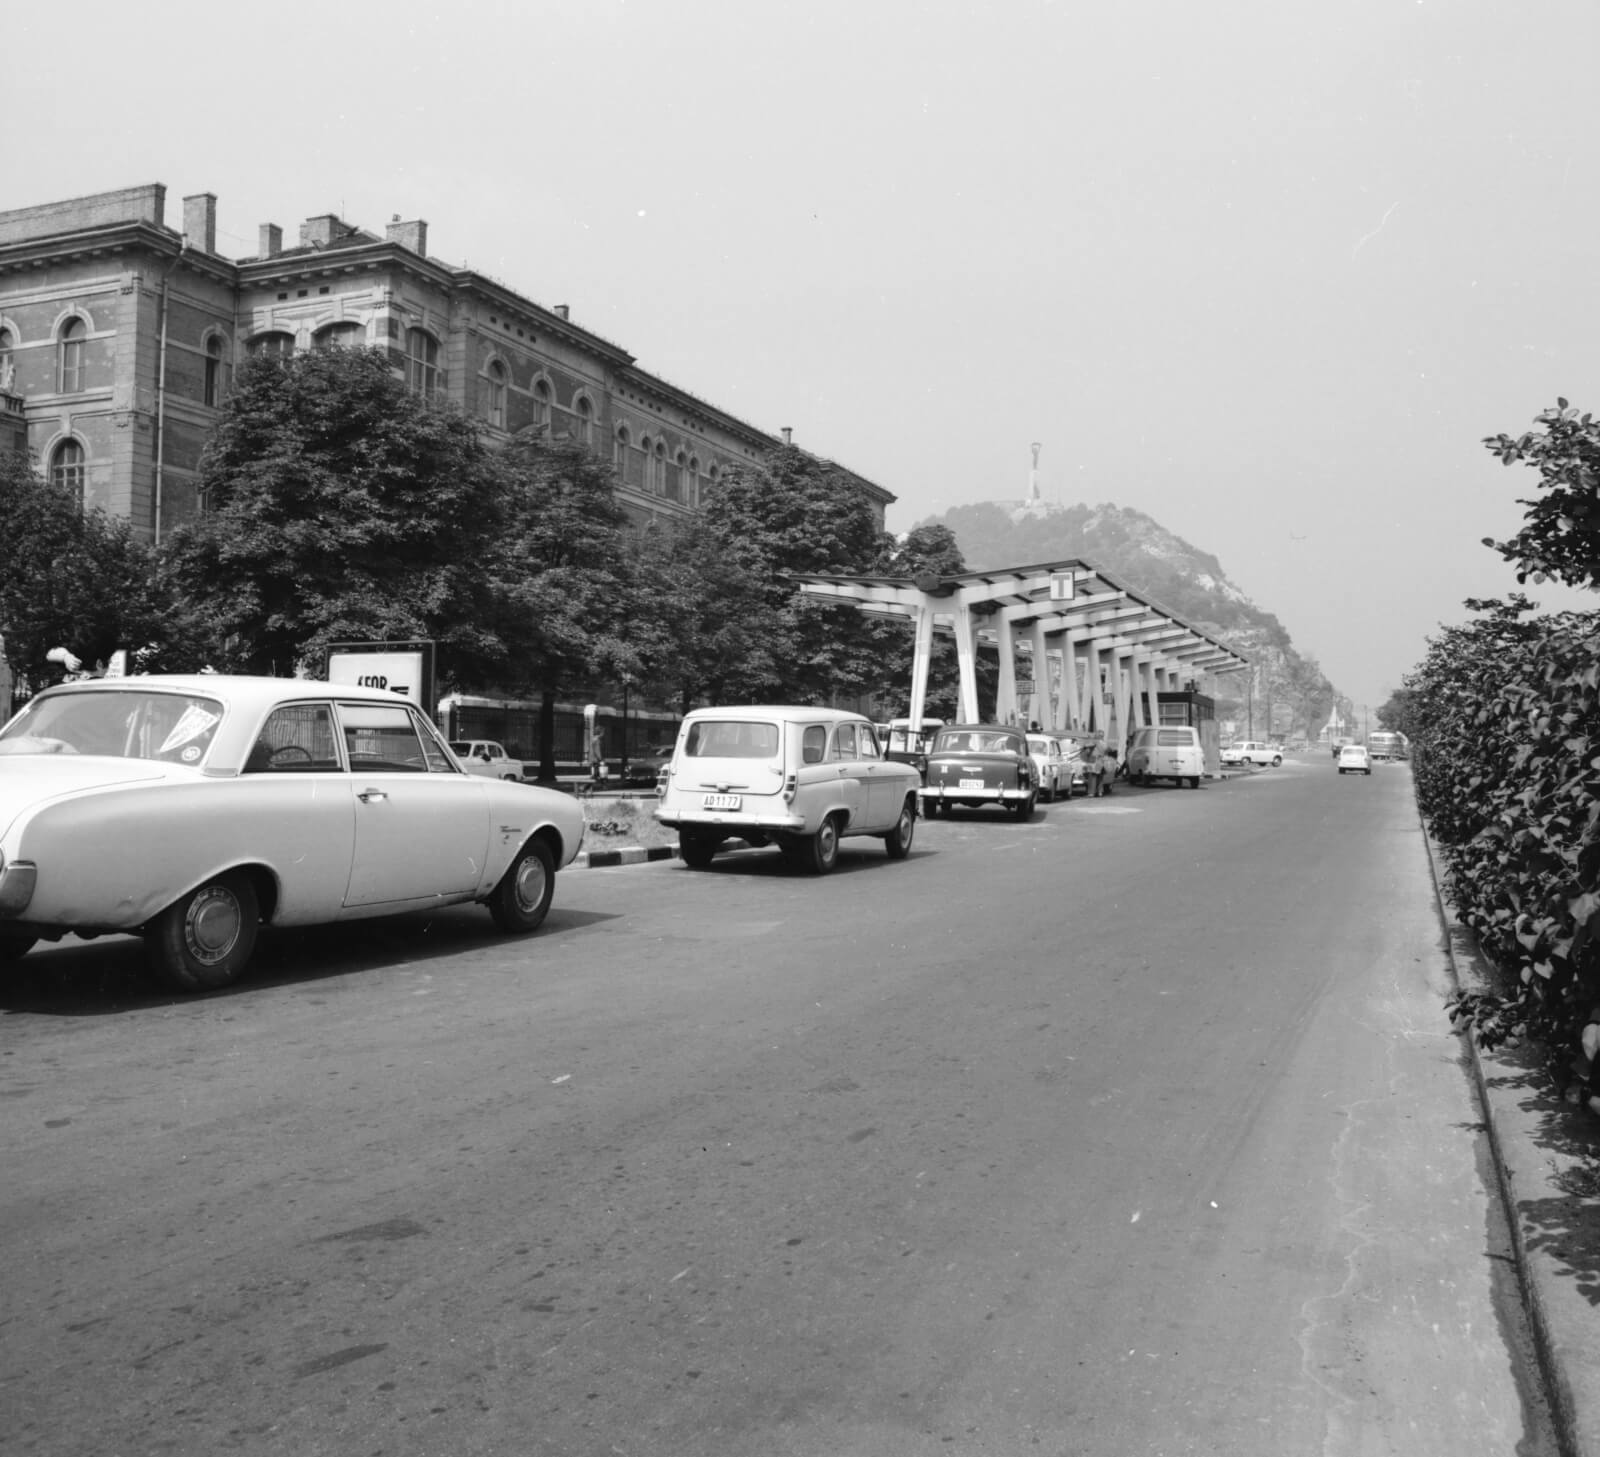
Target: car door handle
{"points": [[366, 796]]}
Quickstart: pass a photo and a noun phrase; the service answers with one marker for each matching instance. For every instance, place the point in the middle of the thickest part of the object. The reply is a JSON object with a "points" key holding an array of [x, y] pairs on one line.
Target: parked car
{"points": [[905, 747], [1052, 770], [975, 764], [1166, 751], [1354, 759], [485, 757], [800, 778], [194, 810], [1231, 756], [1075, 774], [645, 769], [1262, 755]]}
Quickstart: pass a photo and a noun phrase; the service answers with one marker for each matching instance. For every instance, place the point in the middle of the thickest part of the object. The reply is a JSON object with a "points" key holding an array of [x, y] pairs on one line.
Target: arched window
{"points": [[216, 371], [8, 364], [66, 468], [583, 419], [276, 343], [69, 355], [691, 494], [678, 478], [494, 395], [340, 336], [541, 402], [422, 363], [659, 485]]}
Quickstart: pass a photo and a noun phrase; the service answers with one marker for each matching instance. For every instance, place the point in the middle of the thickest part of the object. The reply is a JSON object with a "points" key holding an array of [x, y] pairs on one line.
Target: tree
{"points": [[569, 601], [341, 506], [798, 514], [1561, 537], [68, 577]]}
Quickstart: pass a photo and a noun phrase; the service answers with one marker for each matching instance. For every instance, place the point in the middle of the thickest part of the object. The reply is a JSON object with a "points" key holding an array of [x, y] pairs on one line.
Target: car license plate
{"points": [[721, 801], [972, 784]]}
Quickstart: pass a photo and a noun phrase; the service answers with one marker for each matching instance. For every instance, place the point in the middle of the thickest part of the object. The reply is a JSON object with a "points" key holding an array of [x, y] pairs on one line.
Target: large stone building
{"points": [[119, 335]]}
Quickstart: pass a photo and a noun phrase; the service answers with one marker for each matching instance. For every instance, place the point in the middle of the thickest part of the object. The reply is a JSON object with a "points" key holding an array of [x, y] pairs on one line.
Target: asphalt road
{"points": [[1134, 1129]]}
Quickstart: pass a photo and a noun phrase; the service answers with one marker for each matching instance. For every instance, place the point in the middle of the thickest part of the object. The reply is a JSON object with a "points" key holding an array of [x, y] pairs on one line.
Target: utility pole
{"points": [[1033, 474]]}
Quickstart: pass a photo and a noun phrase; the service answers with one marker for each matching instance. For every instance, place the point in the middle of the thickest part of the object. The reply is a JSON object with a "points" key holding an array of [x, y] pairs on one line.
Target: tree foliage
{"points": [[68, 577], [1560, 536], [341, 506], [1504, 720], [796, 513]]}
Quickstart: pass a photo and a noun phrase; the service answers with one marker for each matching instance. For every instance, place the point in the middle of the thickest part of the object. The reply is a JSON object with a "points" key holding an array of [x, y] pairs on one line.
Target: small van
{"points": [[1169, 751]]}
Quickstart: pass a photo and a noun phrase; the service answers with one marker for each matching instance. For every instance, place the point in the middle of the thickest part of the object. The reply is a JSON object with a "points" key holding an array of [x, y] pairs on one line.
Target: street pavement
{"points": [[1137, 1129]]}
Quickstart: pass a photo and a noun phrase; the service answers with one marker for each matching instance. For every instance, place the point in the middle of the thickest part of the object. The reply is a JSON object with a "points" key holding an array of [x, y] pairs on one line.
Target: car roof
{"points": [[790, 712], [235, 690]]}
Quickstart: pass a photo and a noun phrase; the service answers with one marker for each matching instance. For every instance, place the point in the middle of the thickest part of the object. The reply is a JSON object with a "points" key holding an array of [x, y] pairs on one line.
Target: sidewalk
{"points": [[1547, 1158]]}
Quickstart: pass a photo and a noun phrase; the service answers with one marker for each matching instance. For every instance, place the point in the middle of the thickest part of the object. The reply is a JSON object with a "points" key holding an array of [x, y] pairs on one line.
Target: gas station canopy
{"points": [[1099, 650]]}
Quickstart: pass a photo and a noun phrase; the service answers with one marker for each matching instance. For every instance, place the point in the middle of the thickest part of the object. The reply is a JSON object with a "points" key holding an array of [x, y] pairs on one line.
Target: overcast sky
{"points": [[1266, 270]]}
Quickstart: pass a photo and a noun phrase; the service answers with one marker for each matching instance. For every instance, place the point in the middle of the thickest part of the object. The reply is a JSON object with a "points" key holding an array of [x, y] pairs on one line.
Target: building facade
{"points": [[119, 337]]}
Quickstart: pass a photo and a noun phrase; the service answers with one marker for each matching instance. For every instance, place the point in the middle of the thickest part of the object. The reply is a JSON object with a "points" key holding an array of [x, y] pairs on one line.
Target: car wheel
{"points": [[1277, 759], [1023, 808], [898, 841], [14, 947], [697, 847], [202, 941], [518, 904], [820, 853], [1194, 781]]}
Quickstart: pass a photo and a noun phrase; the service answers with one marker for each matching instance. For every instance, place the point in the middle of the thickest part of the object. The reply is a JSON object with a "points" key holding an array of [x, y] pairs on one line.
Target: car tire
{"points": [[898, 841], [1023, 808], [519, 902], [1193, 781], [1277, 759], [204, 939], [14, 947], [821, 851], [697, 848]]}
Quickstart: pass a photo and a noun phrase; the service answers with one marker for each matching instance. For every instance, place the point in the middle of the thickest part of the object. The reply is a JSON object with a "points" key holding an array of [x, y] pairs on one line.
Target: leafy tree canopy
{"points": [[68, 577], [1561, 537], [341, 506]]}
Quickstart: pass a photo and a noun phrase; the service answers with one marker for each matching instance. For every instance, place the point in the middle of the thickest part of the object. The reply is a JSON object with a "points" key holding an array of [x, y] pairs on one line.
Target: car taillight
{"points": [[791, 787]]}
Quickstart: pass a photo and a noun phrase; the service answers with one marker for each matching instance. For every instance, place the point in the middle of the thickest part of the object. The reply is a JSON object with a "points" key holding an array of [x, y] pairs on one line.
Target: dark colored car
{"points": [[645, 769], [977, 764]]}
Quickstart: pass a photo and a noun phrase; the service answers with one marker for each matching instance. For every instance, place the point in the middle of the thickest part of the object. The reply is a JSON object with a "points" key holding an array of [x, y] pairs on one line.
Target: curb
{"points": [[1539, 1182], [627, 855]]}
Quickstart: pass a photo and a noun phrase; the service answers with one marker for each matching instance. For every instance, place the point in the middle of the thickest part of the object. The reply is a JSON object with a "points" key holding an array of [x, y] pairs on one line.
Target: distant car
{"points": [[1052, 769], [797, 777], [486, 758], [1253, 751], [1166, 751], [1354, 759], [975, 764], [1076, 776], [1231, 755], [904, 747], [645, 769], [194, 810]]}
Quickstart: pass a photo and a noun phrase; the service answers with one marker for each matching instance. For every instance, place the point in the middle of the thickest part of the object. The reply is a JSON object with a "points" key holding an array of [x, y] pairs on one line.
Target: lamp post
{"points": [[627, 682]]}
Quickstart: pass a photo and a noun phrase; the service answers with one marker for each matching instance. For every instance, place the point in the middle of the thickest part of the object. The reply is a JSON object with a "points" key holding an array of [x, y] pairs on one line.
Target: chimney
{"points": [[321, 230], [788, 435], [413, 235], [561, 311], [271, 243], [200, 221]]}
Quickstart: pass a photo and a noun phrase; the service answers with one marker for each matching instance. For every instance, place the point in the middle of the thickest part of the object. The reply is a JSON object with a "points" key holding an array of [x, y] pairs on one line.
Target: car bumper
{"points": [[732, 821], [990, 794]]}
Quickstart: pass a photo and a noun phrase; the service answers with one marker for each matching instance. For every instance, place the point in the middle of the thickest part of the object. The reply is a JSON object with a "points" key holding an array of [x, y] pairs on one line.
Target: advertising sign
{"points": [[405, 668]]}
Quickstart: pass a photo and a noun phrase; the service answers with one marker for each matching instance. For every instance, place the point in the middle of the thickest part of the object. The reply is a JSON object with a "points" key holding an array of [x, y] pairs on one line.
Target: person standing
{"points": [[1094, 767]]}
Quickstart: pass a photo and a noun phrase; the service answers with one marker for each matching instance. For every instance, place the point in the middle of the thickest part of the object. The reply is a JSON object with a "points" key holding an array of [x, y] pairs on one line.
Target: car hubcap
{"points": [[530, 883], [212, 925], [828, 841]]}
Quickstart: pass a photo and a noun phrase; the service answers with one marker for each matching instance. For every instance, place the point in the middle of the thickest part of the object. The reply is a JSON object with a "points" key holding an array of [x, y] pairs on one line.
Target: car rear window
{"points": [[978, 741], [727, 738], [1175, 738]]}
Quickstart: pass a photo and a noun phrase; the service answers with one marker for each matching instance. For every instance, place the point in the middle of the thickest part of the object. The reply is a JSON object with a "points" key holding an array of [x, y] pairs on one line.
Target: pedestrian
{"points": [[597, 757], [1094, 767], [1109, 771]]}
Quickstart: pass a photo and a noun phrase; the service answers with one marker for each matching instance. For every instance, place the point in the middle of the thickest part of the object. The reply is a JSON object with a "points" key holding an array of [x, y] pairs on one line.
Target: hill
{"points": [[1189, 582]]}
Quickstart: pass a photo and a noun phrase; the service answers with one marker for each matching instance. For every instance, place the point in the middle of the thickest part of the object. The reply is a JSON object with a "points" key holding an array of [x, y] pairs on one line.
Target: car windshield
{"points": [[176, 727], [726, 738]]}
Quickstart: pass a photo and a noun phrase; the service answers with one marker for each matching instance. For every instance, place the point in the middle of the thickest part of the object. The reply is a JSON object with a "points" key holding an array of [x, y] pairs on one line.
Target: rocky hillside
{"points": [[1145, 556]]}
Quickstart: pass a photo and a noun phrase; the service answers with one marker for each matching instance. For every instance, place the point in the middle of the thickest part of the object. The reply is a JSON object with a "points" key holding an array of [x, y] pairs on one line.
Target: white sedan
{"points": [[192, 811], [1354, 759]]}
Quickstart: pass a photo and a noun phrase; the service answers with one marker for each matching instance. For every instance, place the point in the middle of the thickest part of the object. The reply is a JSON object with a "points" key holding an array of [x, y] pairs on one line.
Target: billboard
{"points": [[405, 668]]}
